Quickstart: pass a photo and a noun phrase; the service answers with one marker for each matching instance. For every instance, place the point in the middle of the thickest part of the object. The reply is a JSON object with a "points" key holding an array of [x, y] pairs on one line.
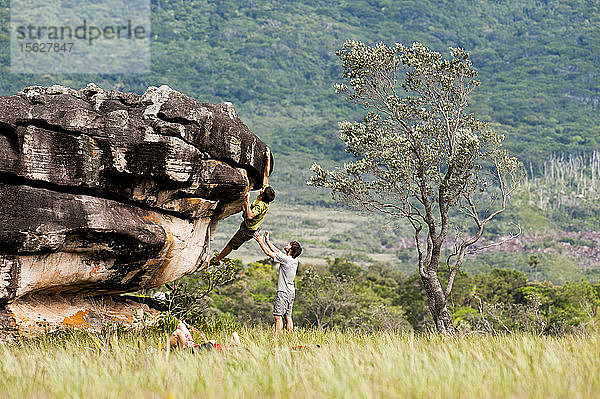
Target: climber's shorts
{"points": [[243, 234]]}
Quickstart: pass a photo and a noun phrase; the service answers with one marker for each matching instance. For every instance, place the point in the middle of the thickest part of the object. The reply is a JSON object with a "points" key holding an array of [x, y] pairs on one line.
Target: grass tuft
{"points": [[345, 365]]}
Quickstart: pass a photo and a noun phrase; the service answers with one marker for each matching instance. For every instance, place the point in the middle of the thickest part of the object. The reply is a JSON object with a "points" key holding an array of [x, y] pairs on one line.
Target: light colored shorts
{"points": [[283, 304]]}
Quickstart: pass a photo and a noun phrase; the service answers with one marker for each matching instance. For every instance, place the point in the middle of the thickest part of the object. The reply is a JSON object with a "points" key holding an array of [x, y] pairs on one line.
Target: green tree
{"points": [[419, 153], [323, 296], [250, 297], [344, 296]]}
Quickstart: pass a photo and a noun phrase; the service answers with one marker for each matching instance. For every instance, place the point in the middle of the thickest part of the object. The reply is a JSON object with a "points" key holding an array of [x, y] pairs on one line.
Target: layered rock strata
{"points": [[105, 192]]}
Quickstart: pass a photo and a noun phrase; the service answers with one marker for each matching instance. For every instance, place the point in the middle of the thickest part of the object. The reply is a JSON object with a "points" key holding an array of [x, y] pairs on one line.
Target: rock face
{"points": [[105, 192]]}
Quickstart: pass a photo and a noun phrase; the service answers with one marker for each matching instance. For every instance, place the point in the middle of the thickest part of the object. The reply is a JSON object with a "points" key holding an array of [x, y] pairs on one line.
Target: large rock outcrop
{"points": [[104, 192]]}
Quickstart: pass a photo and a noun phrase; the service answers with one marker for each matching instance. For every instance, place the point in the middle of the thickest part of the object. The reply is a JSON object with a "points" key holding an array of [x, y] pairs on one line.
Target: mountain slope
{"points": [[539, 64]]}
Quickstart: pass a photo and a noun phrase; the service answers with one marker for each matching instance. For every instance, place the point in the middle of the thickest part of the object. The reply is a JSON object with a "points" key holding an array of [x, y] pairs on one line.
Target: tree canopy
{"points": [[419, 151], [275, 61]]}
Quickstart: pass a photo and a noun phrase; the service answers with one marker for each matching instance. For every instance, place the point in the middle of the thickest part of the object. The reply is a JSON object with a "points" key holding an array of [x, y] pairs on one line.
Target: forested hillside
{"points": [[538, 61], [275, 60]]}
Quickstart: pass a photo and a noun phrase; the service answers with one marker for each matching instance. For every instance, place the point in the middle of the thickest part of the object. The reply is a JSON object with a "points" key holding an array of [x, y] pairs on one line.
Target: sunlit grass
{"points": [[344, 365]]}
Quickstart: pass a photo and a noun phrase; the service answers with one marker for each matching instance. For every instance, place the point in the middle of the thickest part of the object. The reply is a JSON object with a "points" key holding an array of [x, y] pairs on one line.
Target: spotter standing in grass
{"points": [[286, 290], [253, 214]]}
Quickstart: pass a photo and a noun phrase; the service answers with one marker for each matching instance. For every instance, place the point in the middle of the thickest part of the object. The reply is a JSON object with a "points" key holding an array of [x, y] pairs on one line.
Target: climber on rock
{"points": [[252, 213]]}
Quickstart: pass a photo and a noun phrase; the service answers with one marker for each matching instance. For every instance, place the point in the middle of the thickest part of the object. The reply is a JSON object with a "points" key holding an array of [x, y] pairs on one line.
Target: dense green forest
{"points": [[275, 60], [349, 296], [538, 61]]}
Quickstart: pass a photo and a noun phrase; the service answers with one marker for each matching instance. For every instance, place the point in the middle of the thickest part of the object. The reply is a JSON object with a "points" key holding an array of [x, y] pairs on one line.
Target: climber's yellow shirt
{"points": [[259, 209]]}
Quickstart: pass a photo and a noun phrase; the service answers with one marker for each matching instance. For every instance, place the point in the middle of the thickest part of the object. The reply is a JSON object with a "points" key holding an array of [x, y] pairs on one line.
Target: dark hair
{"points": [[295, 249], [268, 194]]}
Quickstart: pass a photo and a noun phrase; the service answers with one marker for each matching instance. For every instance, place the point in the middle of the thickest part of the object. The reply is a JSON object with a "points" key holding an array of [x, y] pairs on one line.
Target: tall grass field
{"points": [[336, 365]]}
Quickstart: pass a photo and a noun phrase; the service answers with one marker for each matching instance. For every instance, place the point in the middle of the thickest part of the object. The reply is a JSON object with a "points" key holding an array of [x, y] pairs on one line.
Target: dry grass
{"points": [[346, 365], [323, 233]]}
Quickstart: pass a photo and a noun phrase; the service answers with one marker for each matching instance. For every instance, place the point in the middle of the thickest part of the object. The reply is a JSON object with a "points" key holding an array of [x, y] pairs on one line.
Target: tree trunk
{"points": [[436, 301]]}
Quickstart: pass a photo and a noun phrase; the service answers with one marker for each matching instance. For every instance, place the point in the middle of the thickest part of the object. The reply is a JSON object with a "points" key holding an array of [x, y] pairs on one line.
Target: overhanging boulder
{"points": [[104, 192]]}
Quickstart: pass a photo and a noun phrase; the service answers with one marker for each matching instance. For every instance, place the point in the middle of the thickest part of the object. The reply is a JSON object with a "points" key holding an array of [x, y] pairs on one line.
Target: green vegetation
{"points": [[339, 295], [345, 296], [504, 301], [552, 209], [566, 192], [276, 62], [420, 155], [360, 365], [369, 239], [324, 233]]}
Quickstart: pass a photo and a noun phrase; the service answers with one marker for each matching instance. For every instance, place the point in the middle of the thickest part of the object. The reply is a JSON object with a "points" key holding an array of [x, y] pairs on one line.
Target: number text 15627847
{"points": [[45, 47]]}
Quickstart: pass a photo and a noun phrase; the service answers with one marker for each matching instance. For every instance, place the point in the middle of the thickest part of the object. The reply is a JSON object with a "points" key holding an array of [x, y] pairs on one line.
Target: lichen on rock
{"points": [[105, 192]]}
